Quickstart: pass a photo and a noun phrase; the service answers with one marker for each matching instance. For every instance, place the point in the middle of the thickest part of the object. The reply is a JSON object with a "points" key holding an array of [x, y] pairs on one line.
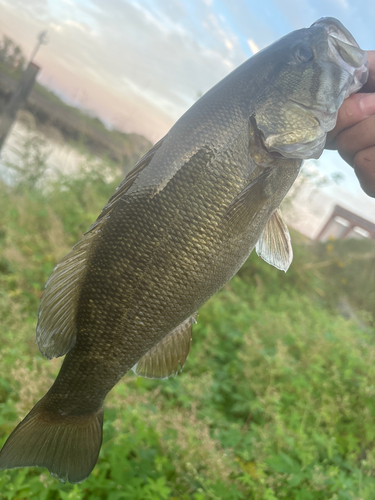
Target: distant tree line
{"points": [[11, 54]]}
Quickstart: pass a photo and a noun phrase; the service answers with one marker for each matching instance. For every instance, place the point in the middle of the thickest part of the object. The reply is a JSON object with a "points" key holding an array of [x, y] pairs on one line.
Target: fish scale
{"points": [[217, 256], [177, 229]]}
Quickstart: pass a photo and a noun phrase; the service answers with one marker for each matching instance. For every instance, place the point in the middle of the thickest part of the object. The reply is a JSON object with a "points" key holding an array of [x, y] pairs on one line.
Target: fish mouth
{"points": [[339, 69], [344, 51]]}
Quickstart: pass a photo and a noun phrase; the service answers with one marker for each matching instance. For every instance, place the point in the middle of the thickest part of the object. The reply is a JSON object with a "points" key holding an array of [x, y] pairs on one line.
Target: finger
{"points": [[352, 140], [364, 166], [353, 110], [370, 85]]}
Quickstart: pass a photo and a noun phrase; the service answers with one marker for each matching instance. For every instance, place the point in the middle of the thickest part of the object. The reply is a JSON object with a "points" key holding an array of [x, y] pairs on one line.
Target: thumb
{"points": [[353, 110]]}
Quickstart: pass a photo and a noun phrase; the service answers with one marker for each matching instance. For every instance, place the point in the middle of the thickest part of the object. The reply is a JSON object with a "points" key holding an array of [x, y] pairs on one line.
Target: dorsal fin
{"points": [[130, 178], [275, 246], [163, 359]]}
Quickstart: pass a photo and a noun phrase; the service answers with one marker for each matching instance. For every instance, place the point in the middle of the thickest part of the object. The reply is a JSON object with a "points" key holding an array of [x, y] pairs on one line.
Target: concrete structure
{"points": [[21, 93], [343, 224]]}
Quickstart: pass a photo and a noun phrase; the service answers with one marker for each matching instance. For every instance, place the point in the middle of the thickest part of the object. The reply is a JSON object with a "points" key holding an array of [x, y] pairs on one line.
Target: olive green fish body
{"points": [[177, 229], [156, 260]]}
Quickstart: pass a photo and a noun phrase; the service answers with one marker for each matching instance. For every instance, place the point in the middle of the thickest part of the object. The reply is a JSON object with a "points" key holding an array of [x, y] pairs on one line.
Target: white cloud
{"points": [[228, 44], [342, 3], [80, 26], [55, 27], [253, 46]]}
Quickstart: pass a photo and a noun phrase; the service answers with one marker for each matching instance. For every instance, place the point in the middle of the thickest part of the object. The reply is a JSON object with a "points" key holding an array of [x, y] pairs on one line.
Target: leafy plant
{"points": [[277, 397]]}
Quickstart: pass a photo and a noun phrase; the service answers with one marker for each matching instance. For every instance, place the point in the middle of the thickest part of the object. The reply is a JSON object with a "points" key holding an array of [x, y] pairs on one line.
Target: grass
{"points": [[276, 400]]}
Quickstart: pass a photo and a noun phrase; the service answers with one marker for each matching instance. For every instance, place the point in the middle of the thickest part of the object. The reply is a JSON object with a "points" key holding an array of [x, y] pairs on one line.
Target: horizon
{"points": [[140, 64]]}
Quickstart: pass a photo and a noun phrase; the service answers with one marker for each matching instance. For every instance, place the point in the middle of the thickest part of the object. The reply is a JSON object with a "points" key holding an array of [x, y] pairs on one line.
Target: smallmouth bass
{"points": [[177, 229]]}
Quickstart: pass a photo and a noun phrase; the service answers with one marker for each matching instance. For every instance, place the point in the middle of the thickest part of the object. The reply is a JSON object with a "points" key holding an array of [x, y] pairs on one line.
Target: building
{"points": [[343, 224]]}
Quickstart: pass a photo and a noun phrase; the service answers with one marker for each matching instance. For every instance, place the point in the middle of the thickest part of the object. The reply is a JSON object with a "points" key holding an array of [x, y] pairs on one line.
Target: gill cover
{"points": [[299, 106]]}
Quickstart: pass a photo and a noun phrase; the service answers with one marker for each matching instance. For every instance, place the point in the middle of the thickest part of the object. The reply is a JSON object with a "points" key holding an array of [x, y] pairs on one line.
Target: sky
{"points": [[140, 64]]}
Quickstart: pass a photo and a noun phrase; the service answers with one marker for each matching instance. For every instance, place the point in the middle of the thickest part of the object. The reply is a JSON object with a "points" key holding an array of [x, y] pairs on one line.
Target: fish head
{"points": [[313, 71]]}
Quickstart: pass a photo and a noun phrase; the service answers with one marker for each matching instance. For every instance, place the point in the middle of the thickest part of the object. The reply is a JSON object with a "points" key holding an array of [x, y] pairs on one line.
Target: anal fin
{"points": [[164, 358], [275, 246]]}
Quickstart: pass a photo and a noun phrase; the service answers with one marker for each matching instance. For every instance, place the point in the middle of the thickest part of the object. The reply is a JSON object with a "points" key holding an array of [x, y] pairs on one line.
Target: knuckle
{"points": [[364, 165]]}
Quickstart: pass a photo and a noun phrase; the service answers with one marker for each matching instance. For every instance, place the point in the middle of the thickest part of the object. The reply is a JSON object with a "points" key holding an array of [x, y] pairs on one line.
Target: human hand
{"points": [[354, 134]]}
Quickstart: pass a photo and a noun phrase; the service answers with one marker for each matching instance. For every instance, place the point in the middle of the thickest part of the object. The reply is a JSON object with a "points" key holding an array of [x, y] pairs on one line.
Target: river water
{"points": [[60, 156]]}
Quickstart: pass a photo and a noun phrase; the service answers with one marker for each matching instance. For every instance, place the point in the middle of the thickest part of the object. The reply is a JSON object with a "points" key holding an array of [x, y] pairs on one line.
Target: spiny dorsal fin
{"points": [[130, 178], [275, 246], [163, 359]]}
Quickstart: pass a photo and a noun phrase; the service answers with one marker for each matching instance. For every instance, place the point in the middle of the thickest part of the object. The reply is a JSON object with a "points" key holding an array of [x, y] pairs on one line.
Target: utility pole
{"points": [[42, 40], [21, 92]]}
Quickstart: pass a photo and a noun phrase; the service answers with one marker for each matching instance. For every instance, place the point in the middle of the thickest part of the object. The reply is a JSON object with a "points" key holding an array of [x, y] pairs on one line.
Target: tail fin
{"points": [[68, 446]]}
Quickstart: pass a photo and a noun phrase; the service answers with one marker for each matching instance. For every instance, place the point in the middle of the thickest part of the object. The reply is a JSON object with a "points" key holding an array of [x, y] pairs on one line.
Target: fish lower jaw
{"points": [[360, 77], [302, 151]]}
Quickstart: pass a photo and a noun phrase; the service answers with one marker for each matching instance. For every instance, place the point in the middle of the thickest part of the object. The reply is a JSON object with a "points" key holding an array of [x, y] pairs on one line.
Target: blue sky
{"points": [[139, 64]]}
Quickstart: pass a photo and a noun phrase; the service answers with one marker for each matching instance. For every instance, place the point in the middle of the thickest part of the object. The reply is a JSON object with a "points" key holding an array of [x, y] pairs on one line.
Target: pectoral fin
{"points": [[275, 246], [249, 201], [163, 359]]}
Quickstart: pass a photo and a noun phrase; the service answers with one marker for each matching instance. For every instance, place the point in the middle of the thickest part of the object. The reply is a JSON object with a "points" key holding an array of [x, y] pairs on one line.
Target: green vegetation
{"points": [[11, 56], [277, 400]]}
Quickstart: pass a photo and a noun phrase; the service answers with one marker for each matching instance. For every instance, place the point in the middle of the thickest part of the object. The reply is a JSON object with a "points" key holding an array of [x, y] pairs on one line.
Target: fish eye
{"points": [[303, 53]]}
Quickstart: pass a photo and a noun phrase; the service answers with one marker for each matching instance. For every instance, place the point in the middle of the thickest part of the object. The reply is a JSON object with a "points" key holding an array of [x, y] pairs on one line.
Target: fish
{"points": [[177, 228]]}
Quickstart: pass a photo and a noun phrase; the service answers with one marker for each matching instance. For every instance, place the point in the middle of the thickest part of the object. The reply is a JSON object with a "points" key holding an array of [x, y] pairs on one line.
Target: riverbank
{"points": [[49, 113]]}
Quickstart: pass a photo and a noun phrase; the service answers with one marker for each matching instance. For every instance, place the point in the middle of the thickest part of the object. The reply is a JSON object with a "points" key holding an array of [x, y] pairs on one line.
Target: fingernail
{"points": [[367, 104]]}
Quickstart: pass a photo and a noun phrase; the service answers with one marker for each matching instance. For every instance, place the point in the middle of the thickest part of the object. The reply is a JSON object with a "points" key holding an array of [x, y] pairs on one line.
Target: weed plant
{"points": [[276, 401]]}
